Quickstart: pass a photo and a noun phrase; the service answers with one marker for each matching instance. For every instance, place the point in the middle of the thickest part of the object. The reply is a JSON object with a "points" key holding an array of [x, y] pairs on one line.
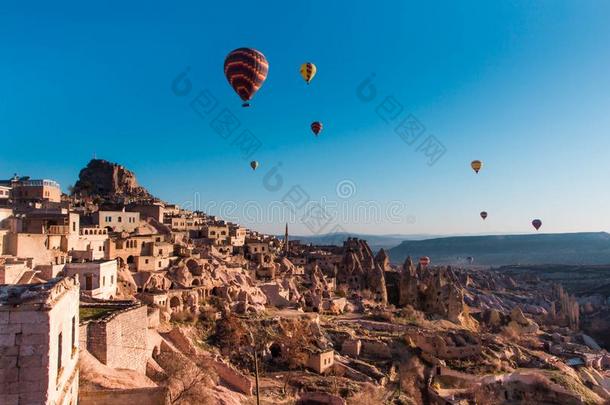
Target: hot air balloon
{"points": [[424, 261], [476, 165], [308, 71], [537, 223], [254, 164], [316, 127], [483, 214], [246, 70]]}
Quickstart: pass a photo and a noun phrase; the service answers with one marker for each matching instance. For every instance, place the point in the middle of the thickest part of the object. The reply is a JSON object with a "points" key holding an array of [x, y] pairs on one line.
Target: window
{"points": [[145, 261], [103, 281], [59, 354], [119, 219], [111, 280], [73, 226], [73, 336]]}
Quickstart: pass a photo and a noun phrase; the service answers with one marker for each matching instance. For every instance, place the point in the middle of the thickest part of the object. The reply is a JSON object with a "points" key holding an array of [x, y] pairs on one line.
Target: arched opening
{"points": [[174, 303], [130, 259], [196, 282], [276, 350]]}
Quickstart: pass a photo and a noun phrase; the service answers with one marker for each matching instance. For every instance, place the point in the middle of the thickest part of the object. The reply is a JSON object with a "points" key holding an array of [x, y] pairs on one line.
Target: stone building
{"points": [[39, 345], [321, 360], [237, 235], [155, 210], [26, 190], [118, 338], [218, 233], [90, 244], [117, 221], [42, 235], [97, 279]]}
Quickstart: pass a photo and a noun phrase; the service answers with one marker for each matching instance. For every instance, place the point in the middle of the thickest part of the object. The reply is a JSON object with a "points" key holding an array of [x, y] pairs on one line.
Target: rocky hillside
{"points": [[109, 181], [565, 248]]}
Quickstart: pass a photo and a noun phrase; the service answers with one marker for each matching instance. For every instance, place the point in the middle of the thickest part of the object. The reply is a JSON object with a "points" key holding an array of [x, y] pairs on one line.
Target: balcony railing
{"points": [[59, 229]]}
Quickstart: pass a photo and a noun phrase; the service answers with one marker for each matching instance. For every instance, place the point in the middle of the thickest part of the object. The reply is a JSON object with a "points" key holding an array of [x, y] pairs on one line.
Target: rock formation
{"points": [[520, 324], [109, 181]]}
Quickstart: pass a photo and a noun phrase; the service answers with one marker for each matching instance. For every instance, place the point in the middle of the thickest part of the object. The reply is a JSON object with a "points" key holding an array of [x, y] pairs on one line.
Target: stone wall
{"points": [[39, 344], [119, 340], [148, 396], [375, 349]]}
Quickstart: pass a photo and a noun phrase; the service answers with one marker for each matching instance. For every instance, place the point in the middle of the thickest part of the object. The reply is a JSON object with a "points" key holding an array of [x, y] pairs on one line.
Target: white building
{"points": [[5, 192], [90, 244], [97, 279]]}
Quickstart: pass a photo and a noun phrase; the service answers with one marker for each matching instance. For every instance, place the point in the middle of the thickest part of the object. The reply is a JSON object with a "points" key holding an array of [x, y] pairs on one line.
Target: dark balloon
{"points": [[476, 165], [483, 214], [254, 164], [537, 223], [316, 127], [424, 261], [246, 70]]}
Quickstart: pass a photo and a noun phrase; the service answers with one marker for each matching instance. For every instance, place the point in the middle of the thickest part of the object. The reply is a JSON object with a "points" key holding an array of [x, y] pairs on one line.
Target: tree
{"points": [[188, 380]]}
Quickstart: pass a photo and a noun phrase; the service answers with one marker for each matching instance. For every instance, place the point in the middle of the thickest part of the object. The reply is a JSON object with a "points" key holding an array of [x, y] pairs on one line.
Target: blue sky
{"points": [[523, 86]]}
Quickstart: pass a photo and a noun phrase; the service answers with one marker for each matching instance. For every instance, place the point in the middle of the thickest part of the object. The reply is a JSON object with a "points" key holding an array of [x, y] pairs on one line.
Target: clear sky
{"points": [[523, 86]]}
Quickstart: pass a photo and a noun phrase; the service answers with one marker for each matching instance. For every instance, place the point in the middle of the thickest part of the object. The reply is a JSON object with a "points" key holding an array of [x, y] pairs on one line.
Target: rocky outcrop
{"points": [[520, 324], [109, 181], [382, 260], [360, 270], [436, 292]]}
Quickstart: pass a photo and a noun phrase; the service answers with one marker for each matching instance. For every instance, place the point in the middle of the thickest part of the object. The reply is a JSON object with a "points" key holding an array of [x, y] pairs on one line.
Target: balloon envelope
{"points": [[476, 165], [537, 223], [254, 164], [246, 69], [316, 127], [424, 261], [483, 214], [308, 71]]}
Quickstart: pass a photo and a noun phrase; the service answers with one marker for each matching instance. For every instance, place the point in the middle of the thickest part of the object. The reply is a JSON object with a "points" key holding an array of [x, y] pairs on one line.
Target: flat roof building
{"points": [[39, 345]]}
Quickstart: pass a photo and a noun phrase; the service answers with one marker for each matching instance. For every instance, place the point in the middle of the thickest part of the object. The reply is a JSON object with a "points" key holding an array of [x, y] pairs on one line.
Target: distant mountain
{"points": [[564, 248], [376, 242]]}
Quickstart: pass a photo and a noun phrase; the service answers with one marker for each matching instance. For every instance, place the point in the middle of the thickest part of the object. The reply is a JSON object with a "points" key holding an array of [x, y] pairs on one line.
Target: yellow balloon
{"points": [[476, 165], [308, 71]]}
